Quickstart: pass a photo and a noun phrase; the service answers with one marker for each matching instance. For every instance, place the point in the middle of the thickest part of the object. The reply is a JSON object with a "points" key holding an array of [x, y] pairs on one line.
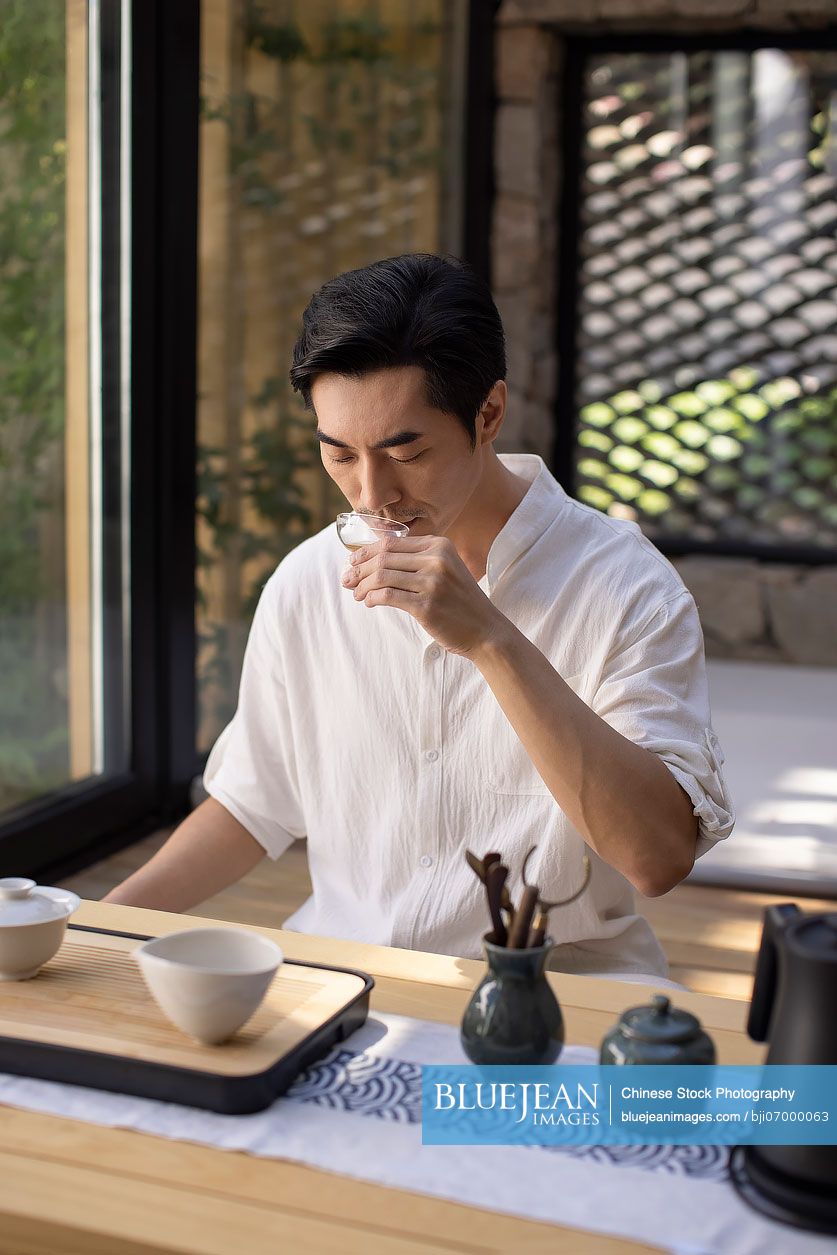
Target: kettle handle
{"points": [[776, 920]]}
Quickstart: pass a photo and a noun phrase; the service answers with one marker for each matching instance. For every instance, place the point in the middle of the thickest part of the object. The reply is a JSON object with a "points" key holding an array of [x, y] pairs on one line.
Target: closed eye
{"points": [[403, 461]]}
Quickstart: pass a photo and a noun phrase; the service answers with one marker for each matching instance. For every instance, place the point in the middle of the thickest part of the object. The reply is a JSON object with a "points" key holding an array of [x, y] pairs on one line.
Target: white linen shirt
{"points": [[356, 730]]}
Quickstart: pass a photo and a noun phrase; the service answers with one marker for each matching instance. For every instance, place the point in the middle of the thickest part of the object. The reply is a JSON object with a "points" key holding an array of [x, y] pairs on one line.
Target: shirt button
{"points": [[433, 652], [432, 755], [426, 860]]}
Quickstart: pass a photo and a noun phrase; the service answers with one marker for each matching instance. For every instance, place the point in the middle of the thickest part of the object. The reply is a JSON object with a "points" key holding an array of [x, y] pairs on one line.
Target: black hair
{"points": [[415, 310]]}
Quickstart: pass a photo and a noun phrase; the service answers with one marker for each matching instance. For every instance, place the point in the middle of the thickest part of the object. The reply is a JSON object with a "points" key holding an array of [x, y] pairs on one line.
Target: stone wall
{"points": [[524, 228], [766, 612], [749, 609]]}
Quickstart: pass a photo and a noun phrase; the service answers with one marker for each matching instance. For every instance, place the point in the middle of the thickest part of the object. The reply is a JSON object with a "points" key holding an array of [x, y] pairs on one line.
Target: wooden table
{"points": [[69, 1187]]}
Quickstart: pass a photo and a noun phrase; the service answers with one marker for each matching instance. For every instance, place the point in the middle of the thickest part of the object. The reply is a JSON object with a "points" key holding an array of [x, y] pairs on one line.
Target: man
{"points": [[518, 670]]}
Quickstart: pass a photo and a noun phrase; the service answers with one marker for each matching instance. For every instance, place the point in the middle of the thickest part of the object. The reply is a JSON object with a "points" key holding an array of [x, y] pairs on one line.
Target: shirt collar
{"points": [[535, 513]]}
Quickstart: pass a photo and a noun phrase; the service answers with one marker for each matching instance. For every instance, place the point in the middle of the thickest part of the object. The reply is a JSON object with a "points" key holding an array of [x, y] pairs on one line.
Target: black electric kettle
{"points": [[794, 1008]]}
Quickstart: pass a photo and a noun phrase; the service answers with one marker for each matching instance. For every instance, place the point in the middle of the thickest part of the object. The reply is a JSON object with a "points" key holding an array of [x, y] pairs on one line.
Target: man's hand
{"points": [[425, 576]]}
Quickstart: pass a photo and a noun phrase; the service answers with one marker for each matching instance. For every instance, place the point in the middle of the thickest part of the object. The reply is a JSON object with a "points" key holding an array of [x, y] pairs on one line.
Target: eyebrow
{"points": [[391, 442]]}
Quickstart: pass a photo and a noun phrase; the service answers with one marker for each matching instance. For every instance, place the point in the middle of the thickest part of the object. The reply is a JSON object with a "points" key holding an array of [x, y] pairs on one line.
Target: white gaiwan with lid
{"points": [[33, 921]]}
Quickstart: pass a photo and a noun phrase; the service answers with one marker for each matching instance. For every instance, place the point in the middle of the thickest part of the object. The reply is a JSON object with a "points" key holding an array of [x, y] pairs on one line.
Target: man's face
{"points": [[391, 453]]}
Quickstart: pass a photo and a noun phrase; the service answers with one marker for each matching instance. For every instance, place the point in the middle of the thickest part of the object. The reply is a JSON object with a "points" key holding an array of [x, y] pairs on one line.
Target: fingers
{"points": [[396, 544], [397, 597], [406, 581], [378, 564], [397, 555], [401, 572]]}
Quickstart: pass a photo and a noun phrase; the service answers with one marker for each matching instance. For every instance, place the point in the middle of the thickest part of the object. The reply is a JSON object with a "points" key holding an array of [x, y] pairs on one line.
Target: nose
{"points": [[377, 487]]}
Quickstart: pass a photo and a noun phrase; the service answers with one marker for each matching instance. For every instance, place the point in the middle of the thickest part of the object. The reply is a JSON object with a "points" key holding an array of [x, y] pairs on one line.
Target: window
{"points": [[704, 397], [93, 316], [331, 135], [64, 534], [143, 362]]}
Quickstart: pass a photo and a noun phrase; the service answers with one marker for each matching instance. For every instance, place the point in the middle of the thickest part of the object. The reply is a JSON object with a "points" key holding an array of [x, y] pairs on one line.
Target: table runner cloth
{"points": [[358, 1113]]}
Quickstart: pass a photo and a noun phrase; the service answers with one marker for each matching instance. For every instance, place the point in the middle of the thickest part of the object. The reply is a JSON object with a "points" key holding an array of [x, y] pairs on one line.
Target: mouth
{"points": [[405, 522]]}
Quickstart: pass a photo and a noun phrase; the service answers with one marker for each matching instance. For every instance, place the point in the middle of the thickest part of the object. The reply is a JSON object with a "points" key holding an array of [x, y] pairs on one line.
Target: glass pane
{"points": [[707, 359], [330, 137], [56, 571]]}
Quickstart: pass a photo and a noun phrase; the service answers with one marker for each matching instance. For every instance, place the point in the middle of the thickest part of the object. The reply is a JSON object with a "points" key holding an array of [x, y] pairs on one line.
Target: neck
{"points": [[496, 497]]}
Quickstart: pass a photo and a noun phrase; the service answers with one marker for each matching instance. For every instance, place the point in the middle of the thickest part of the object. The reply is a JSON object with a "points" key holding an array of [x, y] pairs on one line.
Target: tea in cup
{"points": [[357, 530]]}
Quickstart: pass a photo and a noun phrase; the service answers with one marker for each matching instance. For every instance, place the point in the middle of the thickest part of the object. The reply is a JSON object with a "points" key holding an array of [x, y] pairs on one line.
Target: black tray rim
{"points": [[245, 1089]]}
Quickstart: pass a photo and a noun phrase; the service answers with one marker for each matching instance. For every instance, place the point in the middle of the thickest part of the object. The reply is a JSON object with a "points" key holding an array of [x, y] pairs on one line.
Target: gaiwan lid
{"points": [[22, 901], [660, 1023]]}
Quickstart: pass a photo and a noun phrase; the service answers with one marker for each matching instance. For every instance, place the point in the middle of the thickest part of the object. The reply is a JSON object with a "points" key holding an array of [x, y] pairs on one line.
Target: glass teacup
{"points": [[357, 530]]}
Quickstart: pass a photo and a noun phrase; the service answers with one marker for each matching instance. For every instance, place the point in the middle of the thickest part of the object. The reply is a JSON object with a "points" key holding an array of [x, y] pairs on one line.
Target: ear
{"points": [[492, 412]]}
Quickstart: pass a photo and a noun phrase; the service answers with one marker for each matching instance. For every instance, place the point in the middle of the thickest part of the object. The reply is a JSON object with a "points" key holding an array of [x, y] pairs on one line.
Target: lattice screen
{"points": [[707, 351]]}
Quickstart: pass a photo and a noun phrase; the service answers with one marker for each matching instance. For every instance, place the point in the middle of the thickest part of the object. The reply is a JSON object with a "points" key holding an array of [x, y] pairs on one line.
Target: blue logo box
{"points": [[594, 1105]]}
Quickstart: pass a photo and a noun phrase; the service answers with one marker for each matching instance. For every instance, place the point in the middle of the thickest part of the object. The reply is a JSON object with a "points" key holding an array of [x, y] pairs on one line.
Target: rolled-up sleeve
{"points": [[252, 767], [655, 693]]}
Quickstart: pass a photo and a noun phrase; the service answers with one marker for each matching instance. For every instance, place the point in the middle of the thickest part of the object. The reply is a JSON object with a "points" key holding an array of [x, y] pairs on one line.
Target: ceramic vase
{"points": [[513, 1016]]}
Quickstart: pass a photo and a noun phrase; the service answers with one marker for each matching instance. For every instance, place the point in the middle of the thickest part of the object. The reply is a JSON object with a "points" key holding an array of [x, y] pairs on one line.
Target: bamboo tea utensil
{"points": [[481, 865], [495, 881], [538, 932], [519, 930], [480, 868]]}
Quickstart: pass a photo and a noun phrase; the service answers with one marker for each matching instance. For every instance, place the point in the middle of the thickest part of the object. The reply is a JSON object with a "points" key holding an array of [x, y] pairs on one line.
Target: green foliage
{"points": [[281, 40], [661, 417], [627, 402], [767, 450], [33, 713], [354, 38], [659, 473], [31, 282], [688, 404], [33, 727], [626, 458], [595, 440], [629, 429], [592, 494], [274, 497], [597, 415], [652, 502], [752, 407]]}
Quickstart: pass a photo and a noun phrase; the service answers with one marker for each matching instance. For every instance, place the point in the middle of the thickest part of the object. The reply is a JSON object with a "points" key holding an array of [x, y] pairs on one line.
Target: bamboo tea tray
{"points": [[87, 1018]]}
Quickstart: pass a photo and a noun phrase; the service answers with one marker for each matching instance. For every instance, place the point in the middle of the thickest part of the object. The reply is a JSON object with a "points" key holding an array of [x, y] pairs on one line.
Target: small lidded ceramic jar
{"points": [[659, 1033], [33, 921]]}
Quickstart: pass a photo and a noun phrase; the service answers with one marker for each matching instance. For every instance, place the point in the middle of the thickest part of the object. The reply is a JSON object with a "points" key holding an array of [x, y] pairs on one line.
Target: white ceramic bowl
{"points": [[209, 981], [33, 921]]}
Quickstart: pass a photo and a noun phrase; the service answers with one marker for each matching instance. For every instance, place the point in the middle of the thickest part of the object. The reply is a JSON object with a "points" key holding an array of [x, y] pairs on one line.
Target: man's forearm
{"points": [[207, 852], [622, 798]]}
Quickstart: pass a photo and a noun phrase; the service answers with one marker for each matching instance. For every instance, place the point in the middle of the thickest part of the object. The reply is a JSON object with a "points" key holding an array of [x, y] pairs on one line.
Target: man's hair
{"points": [[415, 310]]}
